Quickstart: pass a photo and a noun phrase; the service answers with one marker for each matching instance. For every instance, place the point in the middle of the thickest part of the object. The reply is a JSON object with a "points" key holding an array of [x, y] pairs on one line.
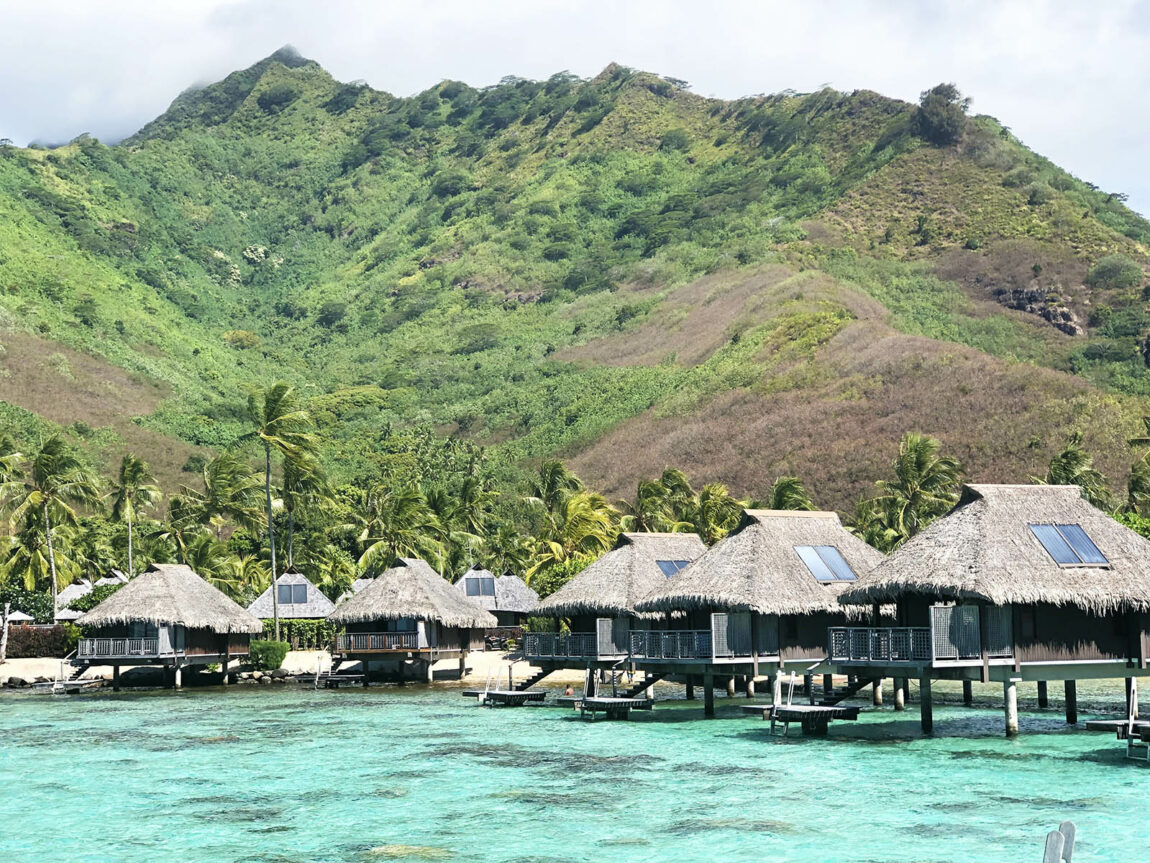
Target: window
{"points": [[1068, 544], [480, 586], [292, 594], [670, 567], [825, 562]]}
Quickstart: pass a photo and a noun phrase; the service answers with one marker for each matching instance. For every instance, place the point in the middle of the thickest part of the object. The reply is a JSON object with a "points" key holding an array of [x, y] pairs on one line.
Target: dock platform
{"points": [[813, 718], [338, 681], [505, 697], [612, 708]]}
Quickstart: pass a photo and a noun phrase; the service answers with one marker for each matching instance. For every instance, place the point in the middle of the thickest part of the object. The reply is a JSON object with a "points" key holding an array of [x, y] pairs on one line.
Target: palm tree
{"points": [[133, 490], [1073, 466], [55, 483], [26, 557], [651, 511], [397, 522], [304, 485], [278, 423], [716, 512], [788, 493], [1138, 486], [552, 484], [925, 486], [229, 494]]}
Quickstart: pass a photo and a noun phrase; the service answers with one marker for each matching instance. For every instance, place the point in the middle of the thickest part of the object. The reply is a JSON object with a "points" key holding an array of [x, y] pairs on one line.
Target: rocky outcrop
{"points": [[1048, 304]]}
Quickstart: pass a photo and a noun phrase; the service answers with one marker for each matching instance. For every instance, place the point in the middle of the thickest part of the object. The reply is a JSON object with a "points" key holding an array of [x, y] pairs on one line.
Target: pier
{"points": [[611, 707], [505, 697], [813, 718]]}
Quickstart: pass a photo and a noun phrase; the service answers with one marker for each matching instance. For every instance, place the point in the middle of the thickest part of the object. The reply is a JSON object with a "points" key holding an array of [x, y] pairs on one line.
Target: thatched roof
{"points": [[411, 589], [171, 593], [614, 583], [317, 604], [511, 592], [984, 550], [756, 567]]}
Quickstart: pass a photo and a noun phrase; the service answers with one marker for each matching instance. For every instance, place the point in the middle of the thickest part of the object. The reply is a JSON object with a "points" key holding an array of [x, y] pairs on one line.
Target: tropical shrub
{"points": [[26, 642], [268, 655]]}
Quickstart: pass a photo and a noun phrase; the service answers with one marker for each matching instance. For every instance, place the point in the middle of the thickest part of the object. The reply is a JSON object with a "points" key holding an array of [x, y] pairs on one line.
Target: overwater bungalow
{"points": [[1018, 582], [506, 596], [599, 603], [298, 599], [408, 612], [760, 599], [166, 616]]}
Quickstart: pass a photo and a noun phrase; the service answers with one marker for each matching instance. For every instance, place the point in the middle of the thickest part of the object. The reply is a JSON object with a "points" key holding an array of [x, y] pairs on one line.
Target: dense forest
{"points": [[473, 297]]}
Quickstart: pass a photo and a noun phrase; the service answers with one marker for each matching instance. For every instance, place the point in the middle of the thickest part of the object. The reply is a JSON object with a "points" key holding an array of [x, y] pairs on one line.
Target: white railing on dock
{"points": [[894, 644], [352, 641], [117, 647], [672, 644], [576, 645]]}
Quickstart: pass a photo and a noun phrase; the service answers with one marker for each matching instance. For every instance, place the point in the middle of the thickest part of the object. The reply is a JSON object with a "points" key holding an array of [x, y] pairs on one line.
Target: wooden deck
{"points": [[814, 718], [504, 697], [612, 708], [338, 681]]}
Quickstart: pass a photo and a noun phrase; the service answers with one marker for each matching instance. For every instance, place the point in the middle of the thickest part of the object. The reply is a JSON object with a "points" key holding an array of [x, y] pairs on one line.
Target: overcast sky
{"points": [[1069, 78]]}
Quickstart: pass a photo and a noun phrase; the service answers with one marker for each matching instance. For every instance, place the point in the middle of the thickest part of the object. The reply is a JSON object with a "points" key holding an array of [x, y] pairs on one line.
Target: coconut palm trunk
{"points": [[51, 562], [131, 569], [271, 536]]}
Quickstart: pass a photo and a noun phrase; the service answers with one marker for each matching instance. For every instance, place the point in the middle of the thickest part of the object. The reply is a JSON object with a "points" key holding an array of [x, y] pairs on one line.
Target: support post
{"points": [[925, 706], [967, 693], [690, 689], [430, 671], [463, 664], [731, 686], [1010, 704], [808, 685], [828, 685], [115, 678], [227, 659], [900, 693], [708, 693], [750, 686], [1071, 688], [1043, 696], [1132, 697], [876, 693], [777, 688], [178, 677]]}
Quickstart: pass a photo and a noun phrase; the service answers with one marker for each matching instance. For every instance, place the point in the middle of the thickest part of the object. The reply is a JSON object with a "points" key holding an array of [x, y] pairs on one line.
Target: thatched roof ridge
{"points": [[756, 567], [411, 589], [511, 592], [171, 593], [614, 583], [984, 550], [317, 604]]}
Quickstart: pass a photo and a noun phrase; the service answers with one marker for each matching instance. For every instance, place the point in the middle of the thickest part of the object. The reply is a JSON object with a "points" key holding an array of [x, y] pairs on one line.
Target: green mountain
{"points": [[614, 270]]}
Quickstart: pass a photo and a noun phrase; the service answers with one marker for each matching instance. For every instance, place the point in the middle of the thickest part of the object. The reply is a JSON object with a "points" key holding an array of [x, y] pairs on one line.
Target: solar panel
{"points": [[814, 562], [836, 562], [670, 567], [1083, 546], [1054, 543]]}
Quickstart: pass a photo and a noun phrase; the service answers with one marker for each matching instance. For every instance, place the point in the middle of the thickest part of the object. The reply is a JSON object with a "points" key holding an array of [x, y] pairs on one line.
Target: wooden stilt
{"points": [[227, 661], [115, 678], [925, 706], [708, 693], [750, 686], [828, 685], [690, 689], [1043, 697], [876, 693], [808, 686], [463, 665], [967, 693], [1071, 688], [900, 693], [777, 688], [430, 671], [1132, 697], [178, 677], [1010, 705], [731, 686]]}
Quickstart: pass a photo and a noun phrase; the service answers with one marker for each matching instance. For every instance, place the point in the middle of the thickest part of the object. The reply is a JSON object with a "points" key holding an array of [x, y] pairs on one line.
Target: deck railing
{"points": [[551, 645], [353, 641], [118, 647], [897, 644], [672, 644]]}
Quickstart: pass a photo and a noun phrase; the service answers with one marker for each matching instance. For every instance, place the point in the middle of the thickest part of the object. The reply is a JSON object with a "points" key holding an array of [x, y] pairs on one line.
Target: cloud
{"points": [[1067, 77]]}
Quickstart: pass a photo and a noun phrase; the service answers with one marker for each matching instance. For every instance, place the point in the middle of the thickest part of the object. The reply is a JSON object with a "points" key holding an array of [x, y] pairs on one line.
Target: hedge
{"points": [[268, 655], [25, 642]]}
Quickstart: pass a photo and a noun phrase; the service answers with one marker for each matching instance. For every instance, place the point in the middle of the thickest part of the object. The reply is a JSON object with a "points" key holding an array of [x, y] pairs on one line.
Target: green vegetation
{"points": [[268, 655]]}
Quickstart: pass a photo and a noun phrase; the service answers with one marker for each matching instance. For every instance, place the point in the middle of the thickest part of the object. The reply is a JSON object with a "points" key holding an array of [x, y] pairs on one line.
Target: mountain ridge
{"points": [[469, 255]]}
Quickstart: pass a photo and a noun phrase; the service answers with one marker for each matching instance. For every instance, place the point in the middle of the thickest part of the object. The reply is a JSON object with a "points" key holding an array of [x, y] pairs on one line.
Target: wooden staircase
{"points": [[636, 688], [842, 693], [537, 677]]}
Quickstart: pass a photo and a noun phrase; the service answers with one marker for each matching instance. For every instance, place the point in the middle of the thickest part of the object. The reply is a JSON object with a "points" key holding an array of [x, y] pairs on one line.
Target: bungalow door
{"points": [[611, 634]]}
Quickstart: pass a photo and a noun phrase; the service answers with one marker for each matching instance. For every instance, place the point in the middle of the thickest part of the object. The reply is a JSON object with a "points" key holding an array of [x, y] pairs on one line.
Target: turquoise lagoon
{"points": [[420, 773]]}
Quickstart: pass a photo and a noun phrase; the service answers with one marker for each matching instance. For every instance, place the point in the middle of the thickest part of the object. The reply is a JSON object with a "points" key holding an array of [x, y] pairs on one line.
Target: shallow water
{"points": [[423, 774]]}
